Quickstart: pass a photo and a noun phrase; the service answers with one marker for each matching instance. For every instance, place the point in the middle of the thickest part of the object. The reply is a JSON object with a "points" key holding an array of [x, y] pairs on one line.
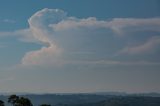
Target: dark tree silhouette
{"points": [[13, 99], [19, 101], [1, 103], [45, 105], [23, 102]]}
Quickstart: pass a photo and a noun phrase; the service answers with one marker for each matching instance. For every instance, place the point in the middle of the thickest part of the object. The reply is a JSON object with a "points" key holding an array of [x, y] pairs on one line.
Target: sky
{"points": [[78, 46]]}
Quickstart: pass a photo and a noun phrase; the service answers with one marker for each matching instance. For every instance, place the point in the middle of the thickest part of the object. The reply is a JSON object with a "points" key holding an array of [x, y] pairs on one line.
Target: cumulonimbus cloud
{"points": [[53, 27], [62, 35]]}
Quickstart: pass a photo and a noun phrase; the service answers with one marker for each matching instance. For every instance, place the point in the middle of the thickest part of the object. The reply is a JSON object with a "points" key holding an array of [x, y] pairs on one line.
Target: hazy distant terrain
{"points": [[97, 99]]}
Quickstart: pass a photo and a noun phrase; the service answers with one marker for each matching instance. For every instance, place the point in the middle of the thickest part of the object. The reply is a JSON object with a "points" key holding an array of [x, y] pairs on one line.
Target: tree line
{"points": [[15, 100]]}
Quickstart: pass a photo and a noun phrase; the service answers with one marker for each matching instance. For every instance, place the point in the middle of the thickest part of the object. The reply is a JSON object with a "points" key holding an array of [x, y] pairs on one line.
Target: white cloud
{"points": [[39, 23], [118, 25], [147, 47], [122, 25], [54, 28], [8, 21], [63, 35], [42, 56], [73, 23], [48, 27], [24, 35], [41, 31], [112, 62]]}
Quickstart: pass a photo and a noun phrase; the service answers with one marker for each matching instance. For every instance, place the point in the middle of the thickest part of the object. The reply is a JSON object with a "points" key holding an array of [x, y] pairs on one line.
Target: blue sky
{"points": [[57, 46]]}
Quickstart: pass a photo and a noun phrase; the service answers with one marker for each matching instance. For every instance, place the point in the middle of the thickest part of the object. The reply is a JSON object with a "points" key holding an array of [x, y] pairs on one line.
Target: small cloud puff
{"points": [[9, 21]]}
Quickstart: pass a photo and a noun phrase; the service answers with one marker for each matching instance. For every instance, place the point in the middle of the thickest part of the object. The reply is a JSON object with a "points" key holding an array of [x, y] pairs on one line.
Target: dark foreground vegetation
{"points": [[78, 100]]}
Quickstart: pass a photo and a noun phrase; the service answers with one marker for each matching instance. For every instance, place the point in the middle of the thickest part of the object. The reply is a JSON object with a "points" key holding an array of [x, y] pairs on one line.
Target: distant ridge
{"points": [[150, 94], [89, 99]]}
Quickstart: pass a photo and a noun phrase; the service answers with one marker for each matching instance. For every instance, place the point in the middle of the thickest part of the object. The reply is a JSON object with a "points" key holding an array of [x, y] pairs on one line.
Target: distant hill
{"points": [[148, 94], [96, 99], [152, 94], [124, 101], [55, 99]]}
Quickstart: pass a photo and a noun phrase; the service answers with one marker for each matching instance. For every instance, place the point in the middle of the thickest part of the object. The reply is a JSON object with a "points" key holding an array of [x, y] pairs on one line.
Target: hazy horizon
{"points": [[68, 93]]}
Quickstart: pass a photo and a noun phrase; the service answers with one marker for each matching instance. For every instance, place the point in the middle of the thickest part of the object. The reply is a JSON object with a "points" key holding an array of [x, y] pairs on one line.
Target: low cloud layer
{"points": [[147, 47]]}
